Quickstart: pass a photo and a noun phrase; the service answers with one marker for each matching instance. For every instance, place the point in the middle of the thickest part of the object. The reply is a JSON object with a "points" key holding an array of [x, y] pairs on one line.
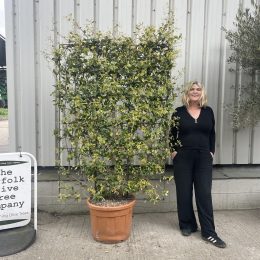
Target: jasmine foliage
{"points": [[245, 43], [115, 95]]}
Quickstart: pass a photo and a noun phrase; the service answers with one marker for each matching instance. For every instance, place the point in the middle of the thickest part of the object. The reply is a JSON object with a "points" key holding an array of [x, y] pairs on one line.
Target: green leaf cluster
{"points": [[115, 96]]}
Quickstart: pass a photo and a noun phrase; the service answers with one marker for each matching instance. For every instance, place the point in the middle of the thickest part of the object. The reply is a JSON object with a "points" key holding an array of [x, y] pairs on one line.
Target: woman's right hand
{"points": [[174, 154]]}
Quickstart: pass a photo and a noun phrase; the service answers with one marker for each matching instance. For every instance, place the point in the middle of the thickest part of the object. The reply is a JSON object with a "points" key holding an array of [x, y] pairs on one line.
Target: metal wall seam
{"points": [[256, 155], [238, 142], [242, 136], [187, 44], [238, 80], [134, 18], [243, 145], [85, 12], [56, 24], [10, 66], [213, 49], [66, 8], [171, 5], [17, 89], [125, 17], [246, 78], [76, 12], [37, 76], [115, 17], [27, 76], [252, 128], [180, 19], [221, 84], [46, 108], [251, 136], [96, 15], [204, 67], [236, 100], [153, 12], [106, 13]]}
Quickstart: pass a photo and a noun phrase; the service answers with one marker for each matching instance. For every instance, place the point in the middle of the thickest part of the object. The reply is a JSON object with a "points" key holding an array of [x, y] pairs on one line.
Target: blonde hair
{"points": [[185, 97]]}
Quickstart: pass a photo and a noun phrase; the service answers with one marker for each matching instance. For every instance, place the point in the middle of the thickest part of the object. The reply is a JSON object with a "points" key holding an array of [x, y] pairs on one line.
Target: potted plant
{"points": [[115, 96]]}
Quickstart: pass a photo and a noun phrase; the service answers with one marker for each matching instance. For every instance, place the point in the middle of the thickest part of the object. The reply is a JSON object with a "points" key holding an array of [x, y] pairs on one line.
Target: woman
{"points": [[192, 162]]}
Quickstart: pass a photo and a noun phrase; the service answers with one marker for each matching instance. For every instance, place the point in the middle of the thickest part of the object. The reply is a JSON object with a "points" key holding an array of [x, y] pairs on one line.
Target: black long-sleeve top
{"points": [[193, 134]]}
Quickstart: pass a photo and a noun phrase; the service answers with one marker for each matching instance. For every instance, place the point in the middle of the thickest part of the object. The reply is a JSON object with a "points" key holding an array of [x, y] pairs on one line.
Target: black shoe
{"points": [[187, 231], [216, 241]]}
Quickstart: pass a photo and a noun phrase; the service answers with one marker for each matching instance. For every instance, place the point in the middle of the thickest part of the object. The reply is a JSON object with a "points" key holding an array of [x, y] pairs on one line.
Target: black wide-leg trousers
{"points": [[194, 168]]}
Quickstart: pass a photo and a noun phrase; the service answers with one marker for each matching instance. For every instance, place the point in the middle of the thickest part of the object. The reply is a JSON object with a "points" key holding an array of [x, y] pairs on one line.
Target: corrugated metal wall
{"points": [[32, 26]]}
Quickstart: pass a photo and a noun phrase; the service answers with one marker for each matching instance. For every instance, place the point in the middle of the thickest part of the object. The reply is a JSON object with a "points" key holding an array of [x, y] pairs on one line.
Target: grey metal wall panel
{"points": [[143, 12], [241, 147], [221, 84], [180, 13], [66, 10], [25, 91], [226, 132], [256, 143], [45, 82], [212, 57], [256, 146], [161, 11], [11, 75], [125, 16], [33, 26], [86, 11], [212, 60], [187, 48], [106, 10], [196, 40], [254, 133]]}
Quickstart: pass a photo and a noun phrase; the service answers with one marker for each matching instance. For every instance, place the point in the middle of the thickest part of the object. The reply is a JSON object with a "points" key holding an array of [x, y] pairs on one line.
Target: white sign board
{"points": [[15, 190]]}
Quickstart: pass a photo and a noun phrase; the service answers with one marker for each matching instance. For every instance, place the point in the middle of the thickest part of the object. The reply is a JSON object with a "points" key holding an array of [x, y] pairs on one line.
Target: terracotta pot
{"points": [[111, 224]]}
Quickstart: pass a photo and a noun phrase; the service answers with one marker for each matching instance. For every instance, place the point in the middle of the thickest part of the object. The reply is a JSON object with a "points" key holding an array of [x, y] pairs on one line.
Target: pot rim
{"points": [[130, 203]]}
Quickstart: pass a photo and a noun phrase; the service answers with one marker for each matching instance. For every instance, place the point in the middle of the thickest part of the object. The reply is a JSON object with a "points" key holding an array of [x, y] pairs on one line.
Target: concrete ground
{"points": [[3, 136], [154, 236]]}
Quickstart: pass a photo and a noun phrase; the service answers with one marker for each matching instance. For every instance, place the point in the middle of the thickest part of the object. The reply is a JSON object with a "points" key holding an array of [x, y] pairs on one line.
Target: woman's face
{"points": [[195, 93]]}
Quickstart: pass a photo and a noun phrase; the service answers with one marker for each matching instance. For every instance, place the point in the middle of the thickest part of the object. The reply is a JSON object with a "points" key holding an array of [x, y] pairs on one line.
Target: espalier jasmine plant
{"points": [[115, 96]]}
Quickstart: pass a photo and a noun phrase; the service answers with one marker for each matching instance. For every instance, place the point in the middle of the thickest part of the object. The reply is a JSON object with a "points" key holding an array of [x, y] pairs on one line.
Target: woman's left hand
{"points": [[212, 155]]}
